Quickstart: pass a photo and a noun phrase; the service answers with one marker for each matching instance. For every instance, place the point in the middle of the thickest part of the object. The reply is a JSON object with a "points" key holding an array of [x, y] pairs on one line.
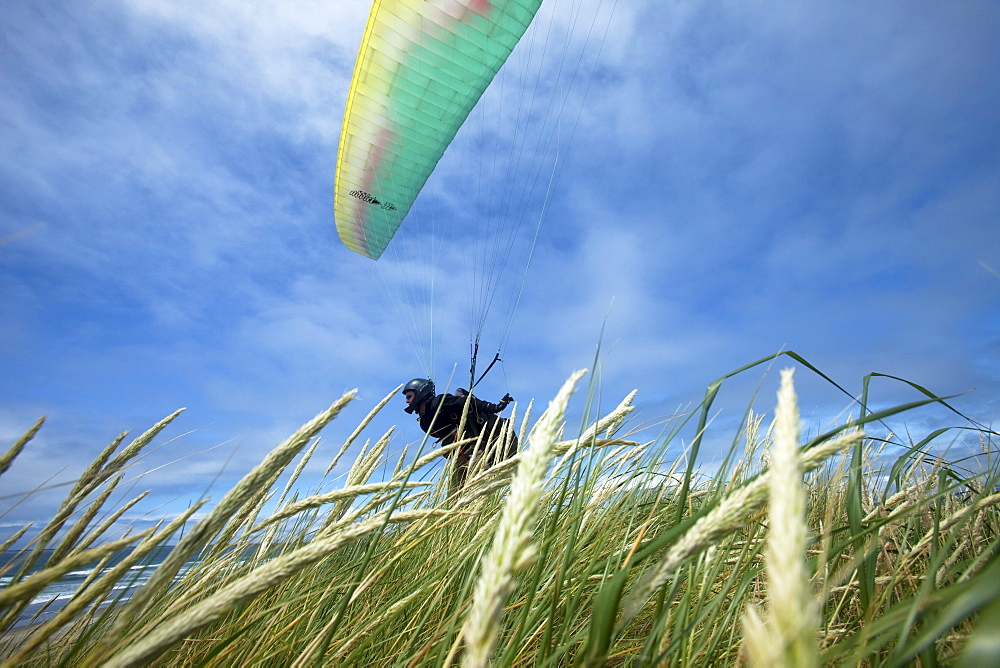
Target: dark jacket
{"points": [[443, 425]]}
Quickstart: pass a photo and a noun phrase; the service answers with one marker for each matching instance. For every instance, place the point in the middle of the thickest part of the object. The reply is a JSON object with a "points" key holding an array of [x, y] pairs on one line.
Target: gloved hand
{"points": [[506, 399]]}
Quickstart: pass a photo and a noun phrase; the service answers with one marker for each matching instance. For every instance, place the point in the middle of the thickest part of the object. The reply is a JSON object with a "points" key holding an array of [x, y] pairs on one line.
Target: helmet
{"points": [[422, 389]]}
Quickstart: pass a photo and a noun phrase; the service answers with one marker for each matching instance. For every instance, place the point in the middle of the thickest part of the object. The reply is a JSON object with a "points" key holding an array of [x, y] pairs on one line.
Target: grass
{"points": [[599, 549]]}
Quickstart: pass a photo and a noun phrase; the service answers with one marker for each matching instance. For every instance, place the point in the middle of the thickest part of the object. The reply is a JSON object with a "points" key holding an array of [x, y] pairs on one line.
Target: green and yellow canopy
{"points": [[422, 67]]}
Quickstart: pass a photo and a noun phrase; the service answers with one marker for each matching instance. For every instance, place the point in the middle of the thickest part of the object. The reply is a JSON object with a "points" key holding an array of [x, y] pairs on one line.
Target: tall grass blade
{"points": [[8, 457], [230, 503], [512, 550]]}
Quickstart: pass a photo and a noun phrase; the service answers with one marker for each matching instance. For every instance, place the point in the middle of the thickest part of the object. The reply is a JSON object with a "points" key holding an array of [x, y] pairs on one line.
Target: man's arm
{"points": [[487, 407]]}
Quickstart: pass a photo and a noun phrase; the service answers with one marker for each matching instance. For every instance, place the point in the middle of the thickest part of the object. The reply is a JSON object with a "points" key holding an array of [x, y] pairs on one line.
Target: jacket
{"points": [[443, 425]]}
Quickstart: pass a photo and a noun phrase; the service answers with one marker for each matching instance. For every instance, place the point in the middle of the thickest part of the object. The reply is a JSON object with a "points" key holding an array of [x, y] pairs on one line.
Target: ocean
{"points": [[45, 605]]}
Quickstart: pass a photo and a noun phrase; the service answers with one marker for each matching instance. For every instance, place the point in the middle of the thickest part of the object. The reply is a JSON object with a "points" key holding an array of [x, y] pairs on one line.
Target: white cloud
{"points": [[743, 179]]}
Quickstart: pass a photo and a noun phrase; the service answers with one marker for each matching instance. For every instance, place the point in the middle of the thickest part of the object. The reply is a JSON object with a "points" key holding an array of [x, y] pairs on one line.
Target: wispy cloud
{"points": [[731, 181]]}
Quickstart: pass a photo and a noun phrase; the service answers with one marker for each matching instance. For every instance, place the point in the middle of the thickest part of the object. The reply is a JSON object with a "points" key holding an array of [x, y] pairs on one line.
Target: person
{"points": [[440, 416]]}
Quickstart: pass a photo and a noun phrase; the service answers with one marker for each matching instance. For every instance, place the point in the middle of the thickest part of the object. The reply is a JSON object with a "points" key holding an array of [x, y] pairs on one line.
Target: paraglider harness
{"points": [[443, 418]]}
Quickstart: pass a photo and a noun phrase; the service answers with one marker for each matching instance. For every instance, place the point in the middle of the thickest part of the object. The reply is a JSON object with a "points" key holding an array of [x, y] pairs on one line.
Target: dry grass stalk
{"points": [[92, 478], [361, 427], [364, 465], [787, 638], [347, 493], [511, 548], [6, 545], [75, 531], [292, 479], [233, 500], [8, 457], [95, 590], [730, 513], [106, 525], [133, 449], [36, 582], [239, 604], [953, 520], [173, 630]]}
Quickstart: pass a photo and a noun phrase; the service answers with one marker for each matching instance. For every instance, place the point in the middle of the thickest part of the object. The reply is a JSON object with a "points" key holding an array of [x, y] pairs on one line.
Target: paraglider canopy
{"points": [[422, 67]]}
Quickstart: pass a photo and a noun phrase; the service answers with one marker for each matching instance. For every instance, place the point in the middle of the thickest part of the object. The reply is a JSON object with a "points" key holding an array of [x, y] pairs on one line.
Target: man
{"points": [[441, 415]]}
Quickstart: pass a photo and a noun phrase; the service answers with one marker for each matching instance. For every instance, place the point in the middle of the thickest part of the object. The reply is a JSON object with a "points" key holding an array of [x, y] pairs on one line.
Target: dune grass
{"points": [[607, 547]]}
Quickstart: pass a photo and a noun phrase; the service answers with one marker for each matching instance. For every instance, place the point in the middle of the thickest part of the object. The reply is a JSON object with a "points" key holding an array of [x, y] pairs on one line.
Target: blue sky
{"points": [[741, 179]]}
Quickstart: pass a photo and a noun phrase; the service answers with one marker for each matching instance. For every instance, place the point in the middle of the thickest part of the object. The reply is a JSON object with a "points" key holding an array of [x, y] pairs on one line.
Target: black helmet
{"points": [[422, 389]]}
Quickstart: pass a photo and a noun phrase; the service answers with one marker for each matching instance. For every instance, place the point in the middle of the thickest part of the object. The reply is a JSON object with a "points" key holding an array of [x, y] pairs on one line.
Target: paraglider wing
{"points": [[422, 67]]}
